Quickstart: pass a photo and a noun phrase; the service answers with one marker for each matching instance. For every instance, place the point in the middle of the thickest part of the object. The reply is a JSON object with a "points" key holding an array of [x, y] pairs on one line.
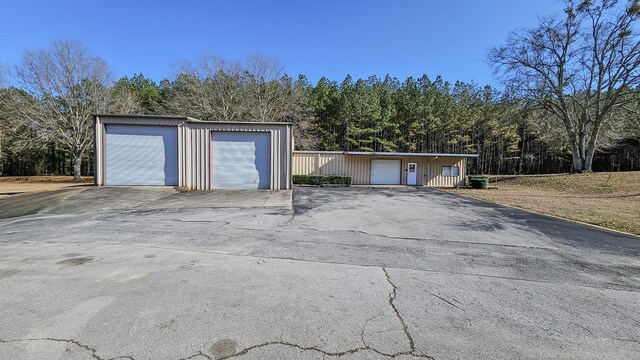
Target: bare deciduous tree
{"points": [[223, 85], [299, 111], [20, 134], [68, 85], [184, 95], [267, 100], [4, 71], [582, 69], [256, 89], [213, 89]]}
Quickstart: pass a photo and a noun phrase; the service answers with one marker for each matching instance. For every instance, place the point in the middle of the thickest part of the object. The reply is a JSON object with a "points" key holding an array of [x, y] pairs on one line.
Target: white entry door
{"points": [[412, 174], [385, 172]]}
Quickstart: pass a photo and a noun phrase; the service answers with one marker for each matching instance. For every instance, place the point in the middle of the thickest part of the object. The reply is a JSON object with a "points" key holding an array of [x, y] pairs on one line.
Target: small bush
{"points": [[322, 180], [478, 181]]}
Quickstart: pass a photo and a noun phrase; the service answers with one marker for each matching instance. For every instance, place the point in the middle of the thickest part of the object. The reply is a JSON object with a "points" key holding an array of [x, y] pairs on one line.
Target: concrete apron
{"points": [[226, 198], [97, 199]]}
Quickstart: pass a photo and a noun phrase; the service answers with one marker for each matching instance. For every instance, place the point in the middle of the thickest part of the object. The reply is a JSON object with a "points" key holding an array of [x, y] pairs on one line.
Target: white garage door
{"points": [[141, 155], [240, 160], [385, 172]]}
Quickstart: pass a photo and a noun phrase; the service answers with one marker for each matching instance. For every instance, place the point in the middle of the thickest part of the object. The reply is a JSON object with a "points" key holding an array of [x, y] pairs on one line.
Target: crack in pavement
{"points": [[300, 347], [418, 239], [627, 340], [199, 353], [325, 353], [92, 351], [392, 297], [224, 222], [445, 300], [616, 287], [364, 329]]}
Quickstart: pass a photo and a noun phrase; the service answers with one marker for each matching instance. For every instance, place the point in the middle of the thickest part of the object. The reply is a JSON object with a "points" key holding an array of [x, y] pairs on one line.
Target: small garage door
{"points": [[141, 155], [240, 160], [385, 172]]}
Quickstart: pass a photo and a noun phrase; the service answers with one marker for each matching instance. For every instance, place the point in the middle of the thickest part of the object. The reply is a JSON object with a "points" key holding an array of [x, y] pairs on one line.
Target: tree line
{"points": [[570, 102]]}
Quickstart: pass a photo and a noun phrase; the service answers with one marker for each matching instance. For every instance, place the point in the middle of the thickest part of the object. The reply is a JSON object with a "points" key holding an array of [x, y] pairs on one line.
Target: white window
{"points": [[450, 171]]}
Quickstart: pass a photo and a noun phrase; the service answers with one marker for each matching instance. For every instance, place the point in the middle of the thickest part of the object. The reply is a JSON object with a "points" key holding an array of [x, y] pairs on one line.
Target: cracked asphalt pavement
{"points": [[350, 273]]}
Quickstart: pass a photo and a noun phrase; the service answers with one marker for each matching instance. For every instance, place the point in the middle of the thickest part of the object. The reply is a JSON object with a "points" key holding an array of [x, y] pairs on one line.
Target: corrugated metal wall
{"points": [[194, 155], [434, 175], [99, 134], [197, 137], [305, 164], [359, 167], [194, 148], [319, 163]]}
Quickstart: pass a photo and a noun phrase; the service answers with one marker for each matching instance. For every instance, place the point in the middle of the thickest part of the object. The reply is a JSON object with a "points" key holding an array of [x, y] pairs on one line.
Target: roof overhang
{"points": [[192, 120], [136, 116], [396, 154], [186, 118]]}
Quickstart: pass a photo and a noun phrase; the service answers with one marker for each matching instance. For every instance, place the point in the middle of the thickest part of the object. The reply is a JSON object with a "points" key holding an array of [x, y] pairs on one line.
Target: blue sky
{"points": [[316, 38]]}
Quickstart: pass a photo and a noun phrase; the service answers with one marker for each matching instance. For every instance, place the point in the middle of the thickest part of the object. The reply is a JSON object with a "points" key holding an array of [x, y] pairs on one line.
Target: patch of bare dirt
{"points": [[14, 185]]}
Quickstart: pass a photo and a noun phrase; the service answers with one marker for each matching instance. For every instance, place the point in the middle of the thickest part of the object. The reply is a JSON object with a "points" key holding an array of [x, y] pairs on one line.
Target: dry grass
{"points": [[13, 185], [610, 200]]}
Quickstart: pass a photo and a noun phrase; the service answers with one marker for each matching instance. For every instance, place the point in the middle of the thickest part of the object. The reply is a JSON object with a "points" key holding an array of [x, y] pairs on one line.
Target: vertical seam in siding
{"points": [[277, 152], [271, 185], [289, 156], [276, 148], [208, 135], [179, 155], [103, 136], [190, 160], [197, 158]]}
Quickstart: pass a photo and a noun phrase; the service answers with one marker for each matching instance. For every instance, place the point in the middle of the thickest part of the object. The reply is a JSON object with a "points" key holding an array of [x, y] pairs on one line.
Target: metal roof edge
{"points": [[188, 119], [141, 116], [237, 122], [367, 153], [317, 152]]}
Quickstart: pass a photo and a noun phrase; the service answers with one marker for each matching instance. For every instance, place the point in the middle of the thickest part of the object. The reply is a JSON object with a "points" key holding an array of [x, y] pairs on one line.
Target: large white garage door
{"points": [[240, 160], [385, 172], [141, 155]]}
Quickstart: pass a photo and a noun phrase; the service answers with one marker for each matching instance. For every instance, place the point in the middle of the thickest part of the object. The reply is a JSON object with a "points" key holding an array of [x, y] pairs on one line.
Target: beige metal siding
{"points": [[359, 167], [331, 164], [198, 171], [194, 148], [435, 178], [304, 164], [356, 166], [319, 164], [100, 138]]}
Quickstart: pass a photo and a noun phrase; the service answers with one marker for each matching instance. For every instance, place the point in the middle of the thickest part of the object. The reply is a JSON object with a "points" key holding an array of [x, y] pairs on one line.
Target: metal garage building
{"points": [[195, 154], [205, 155], [382, 168]]}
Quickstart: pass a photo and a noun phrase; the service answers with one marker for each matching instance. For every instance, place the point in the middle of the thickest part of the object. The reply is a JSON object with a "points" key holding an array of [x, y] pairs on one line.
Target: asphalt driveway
{"points": [[356, 273]]}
